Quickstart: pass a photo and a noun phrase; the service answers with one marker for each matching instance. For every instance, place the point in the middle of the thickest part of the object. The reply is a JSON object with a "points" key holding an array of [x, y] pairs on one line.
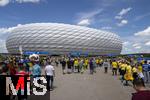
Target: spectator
{"points": [[69, 65], [114, 66], [50, 74], [142, 93], [63, 62], [91, 66], [106, 64], [145, 71]]}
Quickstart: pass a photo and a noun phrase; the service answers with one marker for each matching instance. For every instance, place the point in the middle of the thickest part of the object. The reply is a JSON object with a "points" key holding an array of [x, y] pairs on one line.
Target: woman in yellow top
{"points": [[140, 71], [97, 62], [122, 73], [134, 72], [142, 61], [114, 66], [76, 65], [86, 62], [140, 68], [128, 75]]}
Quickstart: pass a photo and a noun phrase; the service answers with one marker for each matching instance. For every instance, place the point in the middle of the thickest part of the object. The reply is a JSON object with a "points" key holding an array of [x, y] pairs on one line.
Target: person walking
{"points": [[134, 72], [81, 66], [114, 66], [145, 71], [94, 65], [123, 70], [63, 63], [69, 65], [76, 65], [128, 75], [106, 64], [50, 74], [91, 66]]}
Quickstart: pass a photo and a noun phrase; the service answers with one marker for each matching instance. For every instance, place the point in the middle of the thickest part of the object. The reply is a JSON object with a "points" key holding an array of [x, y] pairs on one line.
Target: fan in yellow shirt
{"points": [[86, 62], [123, 70], [134, 72], [114, 66], [76, 65], [140, 68], [128, 75]]}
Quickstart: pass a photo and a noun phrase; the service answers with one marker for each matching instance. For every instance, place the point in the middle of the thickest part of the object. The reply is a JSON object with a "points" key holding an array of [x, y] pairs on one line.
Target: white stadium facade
{"points": [[62, 39]]}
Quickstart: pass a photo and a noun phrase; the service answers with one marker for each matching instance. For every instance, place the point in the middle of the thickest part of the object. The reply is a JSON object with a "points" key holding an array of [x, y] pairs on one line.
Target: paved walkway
{"points": [[99, 86]]}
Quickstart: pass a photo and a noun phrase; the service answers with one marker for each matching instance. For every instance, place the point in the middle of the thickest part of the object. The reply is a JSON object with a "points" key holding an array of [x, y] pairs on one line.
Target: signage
{"points": [[32, 52]]}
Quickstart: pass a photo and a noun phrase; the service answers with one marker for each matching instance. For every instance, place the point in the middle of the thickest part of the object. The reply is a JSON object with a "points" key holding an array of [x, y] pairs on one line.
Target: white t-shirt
{"points": [[49, 70]]}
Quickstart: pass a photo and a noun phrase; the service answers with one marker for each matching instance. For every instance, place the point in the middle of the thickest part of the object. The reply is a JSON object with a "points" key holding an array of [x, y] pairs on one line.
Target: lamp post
{"points": [[20, 50]]}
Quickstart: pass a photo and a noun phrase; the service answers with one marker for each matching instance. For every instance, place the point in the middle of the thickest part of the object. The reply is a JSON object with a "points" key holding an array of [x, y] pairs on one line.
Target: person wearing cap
{"points": [[36, 69]]}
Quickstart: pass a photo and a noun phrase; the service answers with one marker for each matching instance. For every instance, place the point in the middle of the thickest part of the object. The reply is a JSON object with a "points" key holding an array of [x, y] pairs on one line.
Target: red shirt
{"points": [[141, 95], [21, 80], [22, 73], [12, 69]]}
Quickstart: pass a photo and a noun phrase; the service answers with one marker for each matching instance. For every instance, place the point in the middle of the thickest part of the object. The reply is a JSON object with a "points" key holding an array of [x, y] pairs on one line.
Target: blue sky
{"points": [[130, 19]]}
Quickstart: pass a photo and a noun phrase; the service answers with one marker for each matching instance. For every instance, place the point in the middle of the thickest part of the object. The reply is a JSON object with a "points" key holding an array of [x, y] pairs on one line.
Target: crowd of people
{"points": [[79, 65], [16, 66], [129, 69]]}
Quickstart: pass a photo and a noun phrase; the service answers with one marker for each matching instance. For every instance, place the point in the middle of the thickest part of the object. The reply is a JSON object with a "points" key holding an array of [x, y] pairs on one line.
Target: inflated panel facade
{"points": [[58, 38]]}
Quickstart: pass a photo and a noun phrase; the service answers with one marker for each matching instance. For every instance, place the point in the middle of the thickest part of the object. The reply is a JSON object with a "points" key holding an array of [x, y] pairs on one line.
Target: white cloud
{"points": [[124, 11], [27, 1], [141, 16], [3, 48], [126, 43], [84, 22], [135, 44], [145, 32], [122, 23], [147, 43], [4, 2], [86, 18], [106, 28], [138, 47], [118, 17], [90, 14], [4, 32]]}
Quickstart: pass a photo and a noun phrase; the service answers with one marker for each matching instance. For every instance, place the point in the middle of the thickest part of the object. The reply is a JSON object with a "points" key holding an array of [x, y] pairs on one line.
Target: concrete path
{"points": [[99, 86]]}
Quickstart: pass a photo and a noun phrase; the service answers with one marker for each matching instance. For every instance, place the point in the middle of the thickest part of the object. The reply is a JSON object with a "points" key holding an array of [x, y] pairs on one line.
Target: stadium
{"points": [[62, 39]]}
